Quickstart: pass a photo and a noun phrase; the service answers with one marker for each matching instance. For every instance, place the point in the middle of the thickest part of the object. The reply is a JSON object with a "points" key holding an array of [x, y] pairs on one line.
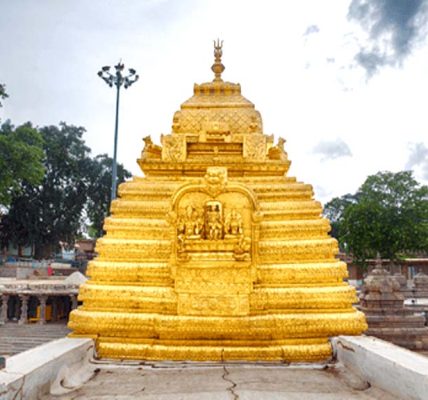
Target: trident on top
{"points": [[218, 67], [218, 49]]}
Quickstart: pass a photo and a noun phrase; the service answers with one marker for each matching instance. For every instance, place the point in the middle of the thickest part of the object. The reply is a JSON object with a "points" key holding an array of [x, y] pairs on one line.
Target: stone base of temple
{"points": [[310, 350], [276, 337]]}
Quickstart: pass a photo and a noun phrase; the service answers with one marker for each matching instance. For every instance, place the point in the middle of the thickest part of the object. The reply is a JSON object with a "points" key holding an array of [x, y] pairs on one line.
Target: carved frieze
{"points": [[255, 147], [174, 148], [215, 305]]}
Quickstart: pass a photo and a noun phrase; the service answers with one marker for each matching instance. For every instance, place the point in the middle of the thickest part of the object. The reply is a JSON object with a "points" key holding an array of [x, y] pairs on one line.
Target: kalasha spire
{"points": [[218, 67]]}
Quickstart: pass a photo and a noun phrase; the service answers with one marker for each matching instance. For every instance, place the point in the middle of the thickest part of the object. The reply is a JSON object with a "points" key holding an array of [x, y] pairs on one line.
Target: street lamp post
{"points": [[117, 79]]}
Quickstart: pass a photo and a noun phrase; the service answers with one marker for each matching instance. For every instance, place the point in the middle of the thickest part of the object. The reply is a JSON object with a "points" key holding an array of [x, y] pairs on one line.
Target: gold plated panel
{"points": [[215, 254]]}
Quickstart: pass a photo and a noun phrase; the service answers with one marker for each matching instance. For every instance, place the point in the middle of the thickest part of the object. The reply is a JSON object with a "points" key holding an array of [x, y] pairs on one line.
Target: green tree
{"points": [[3, 94], [21, 156], [334, 210], [75, 188], [52, 211], [388, 214], [99, 191]]}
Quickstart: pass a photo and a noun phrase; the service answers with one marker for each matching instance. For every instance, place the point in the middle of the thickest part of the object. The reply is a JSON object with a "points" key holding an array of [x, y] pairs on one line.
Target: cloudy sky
{"points": [[344, 82]]}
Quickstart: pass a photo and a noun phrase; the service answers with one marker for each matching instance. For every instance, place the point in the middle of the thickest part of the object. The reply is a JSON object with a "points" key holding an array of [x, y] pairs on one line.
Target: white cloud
{"points": [[330, 150], [418, 160], [393, 27], [311, 29], [54, 50]]}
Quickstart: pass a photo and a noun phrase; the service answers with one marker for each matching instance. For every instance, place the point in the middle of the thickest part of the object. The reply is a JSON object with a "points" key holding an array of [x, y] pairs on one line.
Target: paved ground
{"points": [[181, 381], [16, 338], [221, 382]]}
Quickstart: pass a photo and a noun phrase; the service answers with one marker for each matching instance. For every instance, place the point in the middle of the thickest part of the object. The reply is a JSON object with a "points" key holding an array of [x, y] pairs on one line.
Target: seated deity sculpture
{"points": [[242, 248], [190, 224]]}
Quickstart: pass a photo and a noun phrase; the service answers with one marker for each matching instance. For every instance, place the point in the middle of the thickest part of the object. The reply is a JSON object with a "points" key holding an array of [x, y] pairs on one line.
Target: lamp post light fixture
{"points": [[117, 79]]}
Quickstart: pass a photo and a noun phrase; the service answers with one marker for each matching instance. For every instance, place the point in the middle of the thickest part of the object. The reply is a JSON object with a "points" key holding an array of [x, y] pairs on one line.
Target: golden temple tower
{"points": [[216, 254]]}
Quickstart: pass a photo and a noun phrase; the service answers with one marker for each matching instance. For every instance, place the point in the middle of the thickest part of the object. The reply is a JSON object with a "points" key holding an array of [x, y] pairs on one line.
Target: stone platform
{"points": [[362, 368], [225, 382]]}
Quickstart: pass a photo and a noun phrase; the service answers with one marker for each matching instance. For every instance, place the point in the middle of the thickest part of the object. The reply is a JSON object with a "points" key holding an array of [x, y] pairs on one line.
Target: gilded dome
{"points": [[219, 104]]}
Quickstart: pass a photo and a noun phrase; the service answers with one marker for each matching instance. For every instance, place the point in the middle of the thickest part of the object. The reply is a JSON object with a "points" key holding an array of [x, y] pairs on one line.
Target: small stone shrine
{"points": [[383, 304], [216, 254], [405, 290], [420, 286]]}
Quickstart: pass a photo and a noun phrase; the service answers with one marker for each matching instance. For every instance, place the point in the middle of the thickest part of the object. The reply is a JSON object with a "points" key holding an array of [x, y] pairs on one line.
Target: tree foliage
{"points": [[21, 156], [388, 214], [3, 94], [73, 186], [52, 210], [99, 191], [334, 210]]}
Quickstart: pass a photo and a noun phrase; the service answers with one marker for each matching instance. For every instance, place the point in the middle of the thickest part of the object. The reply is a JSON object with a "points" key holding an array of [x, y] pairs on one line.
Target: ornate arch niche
{"points": [[215, 226], [216, 218]]}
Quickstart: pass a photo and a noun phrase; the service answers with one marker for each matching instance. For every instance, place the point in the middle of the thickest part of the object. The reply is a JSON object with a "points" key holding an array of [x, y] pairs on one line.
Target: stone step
{"points": [[15, 338]]}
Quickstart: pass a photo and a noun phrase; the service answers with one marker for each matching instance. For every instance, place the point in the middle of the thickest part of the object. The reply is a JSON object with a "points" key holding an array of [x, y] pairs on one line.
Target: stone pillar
{"points": [[24, 309], [4, 305], [73, 299], [54, 301], [17, 307], [42, 300]]}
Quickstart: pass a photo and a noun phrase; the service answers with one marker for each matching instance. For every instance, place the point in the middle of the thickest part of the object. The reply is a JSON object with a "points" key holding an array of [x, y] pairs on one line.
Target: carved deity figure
{"points": [[233, 223], [214, 222], [242, 249], [199, 223], [190, 225]]}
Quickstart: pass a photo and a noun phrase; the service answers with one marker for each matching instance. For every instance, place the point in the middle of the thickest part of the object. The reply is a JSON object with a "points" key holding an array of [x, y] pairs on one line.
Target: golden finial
{"points": [[218, 67]]}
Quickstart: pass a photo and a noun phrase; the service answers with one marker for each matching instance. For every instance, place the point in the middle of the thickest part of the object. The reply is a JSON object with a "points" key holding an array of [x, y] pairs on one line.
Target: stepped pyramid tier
{"points": [[216, 254]]}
